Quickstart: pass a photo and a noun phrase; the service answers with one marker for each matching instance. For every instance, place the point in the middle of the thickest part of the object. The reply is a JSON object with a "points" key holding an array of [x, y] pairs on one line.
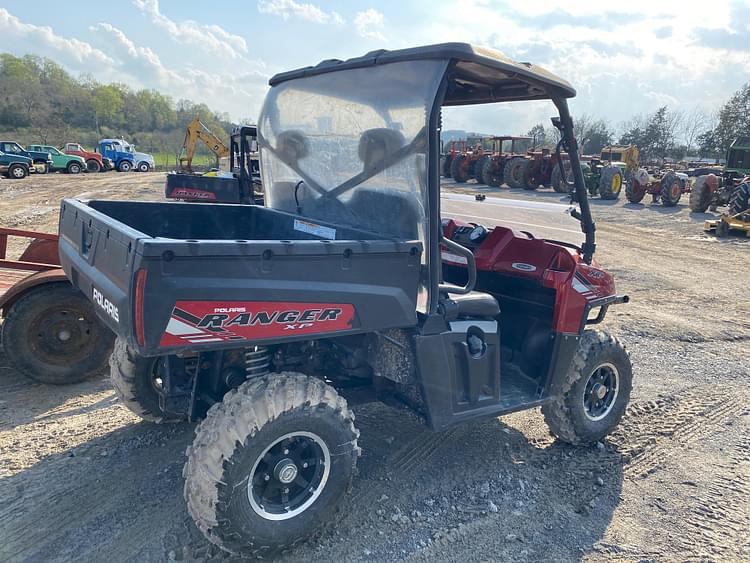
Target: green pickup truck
{"points": [[15, 166], [60, 161]]}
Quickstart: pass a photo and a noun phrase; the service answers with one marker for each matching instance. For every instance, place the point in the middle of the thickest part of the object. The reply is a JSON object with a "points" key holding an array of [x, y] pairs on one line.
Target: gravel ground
{"points": [[82, 479]]}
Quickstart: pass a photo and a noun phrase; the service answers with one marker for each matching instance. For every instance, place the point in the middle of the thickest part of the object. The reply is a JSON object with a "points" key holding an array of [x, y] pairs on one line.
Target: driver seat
{"points": [[475, 304]]}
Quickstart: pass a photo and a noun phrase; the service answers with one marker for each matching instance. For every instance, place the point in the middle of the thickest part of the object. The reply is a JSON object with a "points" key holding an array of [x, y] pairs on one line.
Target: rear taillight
{"points": [[140, 289]]}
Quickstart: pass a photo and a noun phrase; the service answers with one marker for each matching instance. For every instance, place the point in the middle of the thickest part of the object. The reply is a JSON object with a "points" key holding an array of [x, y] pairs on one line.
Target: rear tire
{"points": [[52, 335], [530, 182], [610, 183], [700, 195], [460, 169], [74, 168], [247, 452], [513, 172], [740, 199], [93, 166], [558, 184], [575, 416], [492, 174], [671, 190], [135, 380], [446, 169], [44, 167], [124, 166], [479, 169]]}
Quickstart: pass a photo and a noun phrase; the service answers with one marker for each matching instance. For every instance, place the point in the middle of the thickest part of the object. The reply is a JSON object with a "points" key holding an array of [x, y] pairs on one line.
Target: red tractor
{"points": [[538, 169], [456, 148], [466, 165], [494, 165]]}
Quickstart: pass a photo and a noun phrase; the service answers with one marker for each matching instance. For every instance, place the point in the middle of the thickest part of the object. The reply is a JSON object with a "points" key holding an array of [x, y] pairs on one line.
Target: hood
{"points": [[141, 156]]}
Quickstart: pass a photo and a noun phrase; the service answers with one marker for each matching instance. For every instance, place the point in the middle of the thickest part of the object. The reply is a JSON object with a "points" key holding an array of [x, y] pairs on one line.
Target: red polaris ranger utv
{"points": [[270, 322]]}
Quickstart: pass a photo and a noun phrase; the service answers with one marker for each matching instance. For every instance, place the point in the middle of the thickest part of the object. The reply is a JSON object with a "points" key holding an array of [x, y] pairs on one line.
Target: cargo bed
{"points": [[171, 276]]}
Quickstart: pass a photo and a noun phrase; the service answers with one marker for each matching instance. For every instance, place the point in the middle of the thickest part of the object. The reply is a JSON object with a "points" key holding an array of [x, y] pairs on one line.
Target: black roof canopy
{"points": [[476, 75]]}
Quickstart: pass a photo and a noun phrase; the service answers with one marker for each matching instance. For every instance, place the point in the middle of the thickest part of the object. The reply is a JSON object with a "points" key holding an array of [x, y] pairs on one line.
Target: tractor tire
{"points": [[460, 169], [592, 394], [17, 171], [634, 191], [739, 201], [700, 195], [610, 183], [93, 166], [671, 190], [479, 170], [143, 167], [240, 499], [135, 381], [513, 172], [52, 335], [528, 182], [74, 168], [491, 173], [560, 185], [446, 169], [124, 166]]}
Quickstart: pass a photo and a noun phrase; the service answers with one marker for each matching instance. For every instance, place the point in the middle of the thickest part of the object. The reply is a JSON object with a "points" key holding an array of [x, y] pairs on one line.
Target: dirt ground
{"points": [[82, 479]]}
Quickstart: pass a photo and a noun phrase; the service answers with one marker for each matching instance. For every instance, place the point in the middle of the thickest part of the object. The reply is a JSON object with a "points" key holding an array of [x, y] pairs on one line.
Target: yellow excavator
{"points": [[197, 131]]}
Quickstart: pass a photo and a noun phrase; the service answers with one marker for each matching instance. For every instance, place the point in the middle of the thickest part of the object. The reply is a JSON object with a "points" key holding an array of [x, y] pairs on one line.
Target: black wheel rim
{"points": [[62, 335], [289, 476], [601, 392]]}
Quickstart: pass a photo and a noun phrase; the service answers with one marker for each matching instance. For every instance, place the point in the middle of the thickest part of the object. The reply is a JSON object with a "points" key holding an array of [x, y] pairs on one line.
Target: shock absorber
{"points": [[257, 361]]}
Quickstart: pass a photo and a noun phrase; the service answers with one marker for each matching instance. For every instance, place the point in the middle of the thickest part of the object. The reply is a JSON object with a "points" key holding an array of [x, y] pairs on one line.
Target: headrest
{"points": [[376, 144], [292, 146]]}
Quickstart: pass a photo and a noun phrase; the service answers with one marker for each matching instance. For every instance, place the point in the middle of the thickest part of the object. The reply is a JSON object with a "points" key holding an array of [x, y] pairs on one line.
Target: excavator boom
{"points": [[196, 131]]}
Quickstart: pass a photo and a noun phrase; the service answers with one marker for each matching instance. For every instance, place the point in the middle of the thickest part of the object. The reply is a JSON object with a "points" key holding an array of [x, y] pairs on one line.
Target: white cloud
{"points": [[369, 24], [289, 8], [211, 38], [16, 35]]}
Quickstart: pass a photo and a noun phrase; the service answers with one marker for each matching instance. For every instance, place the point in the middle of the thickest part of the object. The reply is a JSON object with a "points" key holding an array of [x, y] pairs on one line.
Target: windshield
{"points": [[350, 147]]}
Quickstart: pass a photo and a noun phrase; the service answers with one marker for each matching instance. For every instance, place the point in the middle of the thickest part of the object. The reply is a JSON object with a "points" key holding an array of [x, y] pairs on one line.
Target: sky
{"points": [[630, 59]]}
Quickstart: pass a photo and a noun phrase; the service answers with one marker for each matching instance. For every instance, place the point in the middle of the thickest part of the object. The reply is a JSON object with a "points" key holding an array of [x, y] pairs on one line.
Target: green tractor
{"points": [[605, 174], [712, 190]]}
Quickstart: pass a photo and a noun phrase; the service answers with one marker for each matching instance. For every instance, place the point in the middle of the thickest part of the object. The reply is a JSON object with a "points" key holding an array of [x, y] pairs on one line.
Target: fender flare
{"points": [[55, 275]]}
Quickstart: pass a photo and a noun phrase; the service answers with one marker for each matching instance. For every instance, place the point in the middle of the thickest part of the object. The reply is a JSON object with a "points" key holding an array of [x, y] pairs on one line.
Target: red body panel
{"points": [[212, 321], [514, 253]]}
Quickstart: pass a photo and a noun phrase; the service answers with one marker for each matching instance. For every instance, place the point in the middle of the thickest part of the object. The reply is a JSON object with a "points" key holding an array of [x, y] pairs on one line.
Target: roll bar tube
{"points": [[565, 125]]}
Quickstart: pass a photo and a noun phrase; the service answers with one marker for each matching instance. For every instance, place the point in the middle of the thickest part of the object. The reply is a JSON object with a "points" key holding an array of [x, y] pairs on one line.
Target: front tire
{"points": [[17, 171], [460, 169], [43, 167], [74, 168], [93, 165], [269, 464], [143, 167], [52, 335], [592, 395], [136, 382], [739, 201]]}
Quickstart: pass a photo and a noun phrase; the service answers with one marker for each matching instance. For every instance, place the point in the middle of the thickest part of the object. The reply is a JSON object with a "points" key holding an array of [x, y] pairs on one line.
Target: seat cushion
{"points": [[473, 304]]}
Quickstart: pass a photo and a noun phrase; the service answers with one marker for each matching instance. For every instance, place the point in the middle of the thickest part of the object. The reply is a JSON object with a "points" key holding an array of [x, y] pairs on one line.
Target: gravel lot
{"points": [[82, 479]]}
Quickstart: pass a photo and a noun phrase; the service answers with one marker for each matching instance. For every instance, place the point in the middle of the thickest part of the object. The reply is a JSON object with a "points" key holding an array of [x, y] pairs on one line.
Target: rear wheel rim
{"points": [[616, 184], [676, 189], [601, 391], [289, 476]]}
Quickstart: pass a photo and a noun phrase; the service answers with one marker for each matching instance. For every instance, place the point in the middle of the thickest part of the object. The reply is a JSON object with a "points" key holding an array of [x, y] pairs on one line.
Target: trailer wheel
{"points": [[269, 464], [740, 199], [671, 190], [460, 169], [610, 182], [136, 382], [93, 165], [124, 166], [74, 168], [17, 171], [591, 396], [51, 334]]}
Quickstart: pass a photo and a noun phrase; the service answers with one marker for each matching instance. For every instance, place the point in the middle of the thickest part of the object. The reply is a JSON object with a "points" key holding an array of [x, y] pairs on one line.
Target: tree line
{"points": [[41, 103], [673, 133]]}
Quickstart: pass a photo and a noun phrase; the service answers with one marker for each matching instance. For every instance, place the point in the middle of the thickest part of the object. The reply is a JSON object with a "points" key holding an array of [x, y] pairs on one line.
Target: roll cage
{"points": [[470, 75]]}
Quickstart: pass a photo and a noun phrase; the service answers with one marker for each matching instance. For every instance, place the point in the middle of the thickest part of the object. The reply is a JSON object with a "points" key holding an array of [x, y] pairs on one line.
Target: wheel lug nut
{"points": [[267, 478], [304, 465], [286, 491], [286, 452]]}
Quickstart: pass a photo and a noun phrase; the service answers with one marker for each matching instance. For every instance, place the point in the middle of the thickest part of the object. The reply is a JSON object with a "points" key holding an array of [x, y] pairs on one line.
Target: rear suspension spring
{"points": [[257, 361]]}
